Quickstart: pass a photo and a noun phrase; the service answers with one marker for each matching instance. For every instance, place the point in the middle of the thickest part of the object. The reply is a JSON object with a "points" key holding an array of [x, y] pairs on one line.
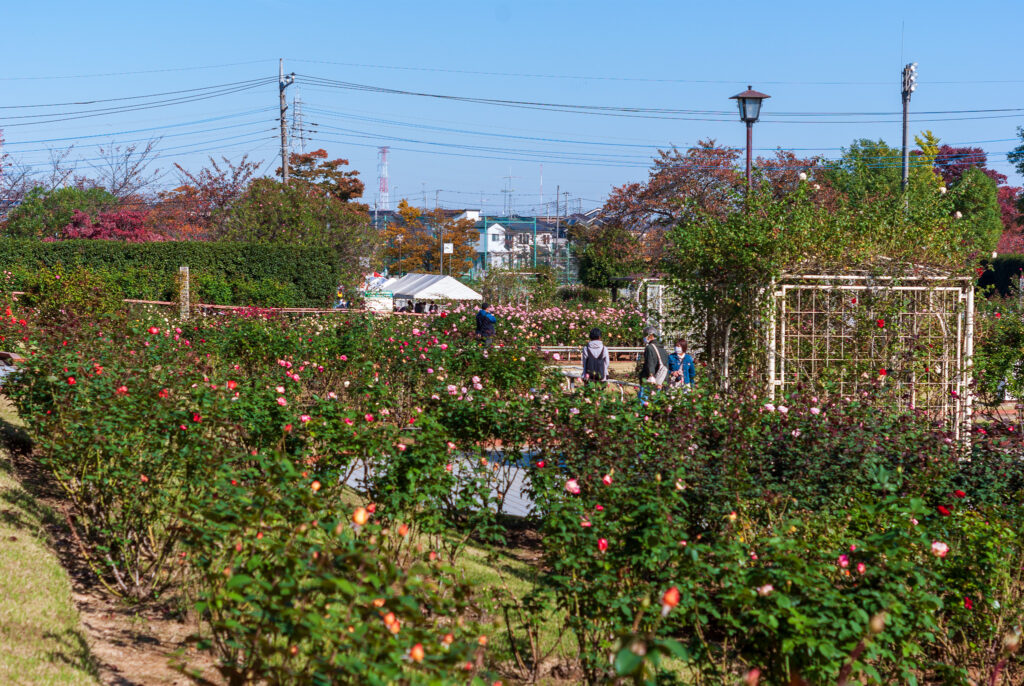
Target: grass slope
{"points": [[39, 632]]}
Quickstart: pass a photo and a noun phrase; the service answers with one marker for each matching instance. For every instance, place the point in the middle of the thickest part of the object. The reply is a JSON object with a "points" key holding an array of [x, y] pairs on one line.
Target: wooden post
{"points": [[184, 296]]}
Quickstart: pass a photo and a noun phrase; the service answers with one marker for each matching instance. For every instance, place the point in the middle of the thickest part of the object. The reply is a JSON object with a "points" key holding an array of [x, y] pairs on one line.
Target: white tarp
{"points": [[431, 287]]}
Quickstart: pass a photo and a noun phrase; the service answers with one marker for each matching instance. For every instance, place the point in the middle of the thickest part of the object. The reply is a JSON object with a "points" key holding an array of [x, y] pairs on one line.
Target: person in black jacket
{"points": [[485, 324]]}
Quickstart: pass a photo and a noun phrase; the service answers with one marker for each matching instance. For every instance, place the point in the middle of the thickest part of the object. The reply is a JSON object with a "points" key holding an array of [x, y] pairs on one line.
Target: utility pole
{"points": [[440, 231], [557, 189], [909, 85], [282, 83]]}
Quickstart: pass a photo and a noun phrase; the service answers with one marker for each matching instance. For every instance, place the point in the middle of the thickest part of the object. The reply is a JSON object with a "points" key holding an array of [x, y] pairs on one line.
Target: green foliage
{"points": [[302, 276], [582, 294], [999, 346], [975, 196], [761, 516], [296, 592], [44, 213], [1002, 273], [800, 535], [303, 214], [59, 293], [505, 286], [605, 253]]}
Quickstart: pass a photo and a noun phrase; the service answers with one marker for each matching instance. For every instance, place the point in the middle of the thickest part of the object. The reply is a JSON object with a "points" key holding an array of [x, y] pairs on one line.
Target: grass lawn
{"points": [[39, 631]]}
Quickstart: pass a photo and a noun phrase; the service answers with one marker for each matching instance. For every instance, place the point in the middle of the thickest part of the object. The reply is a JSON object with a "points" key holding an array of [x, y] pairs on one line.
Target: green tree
{"points": [[606, 253], [299, 213], [976, 197], [44, 213], [866, 171]]}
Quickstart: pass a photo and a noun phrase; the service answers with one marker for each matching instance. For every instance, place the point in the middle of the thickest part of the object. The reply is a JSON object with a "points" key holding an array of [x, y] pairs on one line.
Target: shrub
{"points": [[69, 293], [312, 273], [296, 592]]}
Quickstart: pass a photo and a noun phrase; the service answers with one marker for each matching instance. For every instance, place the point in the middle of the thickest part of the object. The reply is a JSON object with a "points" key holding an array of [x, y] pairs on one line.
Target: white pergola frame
{"points": [[941, 304]]}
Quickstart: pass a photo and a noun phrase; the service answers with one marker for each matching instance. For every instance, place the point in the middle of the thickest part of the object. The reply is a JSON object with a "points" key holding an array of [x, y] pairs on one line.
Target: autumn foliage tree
{"points": [[414, 242], [121, 225], [704, 178], [198, 208], [329, 175]]}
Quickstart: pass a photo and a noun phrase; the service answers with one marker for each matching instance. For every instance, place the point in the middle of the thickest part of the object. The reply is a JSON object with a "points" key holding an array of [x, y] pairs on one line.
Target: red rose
{"points": [[968, 604], [881, 323], [943, 510], [71, 381], [959, 494]]}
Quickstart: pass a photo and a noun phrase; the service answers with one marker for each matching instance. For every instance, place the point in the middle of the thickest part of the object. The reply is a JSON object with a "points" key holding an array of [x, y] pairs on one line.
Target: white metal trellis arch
{"points": [[915, 334]]}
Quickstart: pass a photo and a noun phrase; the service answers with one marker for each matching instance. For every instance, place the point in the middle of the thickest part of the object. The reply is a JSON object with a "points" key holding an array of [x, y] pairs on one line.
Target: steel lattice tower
{"points": [[383, 196], [298, 126]]}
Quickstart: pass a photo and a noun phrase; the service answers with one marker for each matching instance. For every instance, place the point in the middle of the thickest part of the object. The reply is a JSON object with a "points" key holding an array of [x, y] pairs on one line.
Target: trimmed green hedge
{"points": [[1003, 273], [249, 272]]}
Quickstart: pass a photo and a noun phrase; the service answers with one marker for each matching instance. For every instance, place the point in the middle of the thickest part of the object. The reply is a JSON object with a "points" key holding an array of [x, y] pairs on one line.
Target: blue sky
{"points": [[810, 57]]}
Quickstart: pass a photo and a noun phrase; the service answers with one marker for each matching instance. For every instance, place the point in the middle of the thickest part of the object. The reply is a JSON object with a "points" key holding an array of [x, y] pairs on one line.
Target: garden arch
{"points": [[846, 332]]}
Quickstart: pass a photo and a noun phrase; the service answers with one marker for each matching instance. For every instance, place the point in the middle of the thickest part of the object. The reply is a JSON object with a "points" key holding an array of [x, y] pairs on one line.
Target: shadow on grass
{"points": [[22, 511], [72, 650]]}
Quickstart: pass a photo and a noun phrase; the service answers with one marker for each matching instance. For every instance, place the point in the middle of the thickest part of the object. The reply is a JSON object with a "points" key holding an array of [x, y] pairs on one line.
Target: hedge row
{"points": [[307, 274]]}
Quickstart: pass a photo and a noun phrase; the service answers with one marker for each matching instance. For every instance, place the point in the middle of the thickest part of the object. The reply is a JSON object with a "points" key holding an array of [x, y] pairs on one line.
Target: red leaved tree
{"points": [[122, 225], [703, 179]]}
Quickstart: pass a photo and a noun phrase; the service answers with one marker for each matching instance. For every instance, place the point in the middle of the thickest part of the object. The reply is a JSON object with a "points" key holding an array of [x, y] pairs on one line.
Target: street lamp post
{"points": [[749, 103]]}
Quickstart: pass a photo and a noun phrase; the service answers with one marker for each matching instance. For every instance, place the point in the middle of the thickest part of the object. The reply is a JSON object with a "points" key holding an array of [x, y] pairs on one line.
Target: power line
{"points": [[131, 73], [578, 77], [656, 146], [130, 97], [88, 114], [644, 112], [187, 133], [153, 128]]}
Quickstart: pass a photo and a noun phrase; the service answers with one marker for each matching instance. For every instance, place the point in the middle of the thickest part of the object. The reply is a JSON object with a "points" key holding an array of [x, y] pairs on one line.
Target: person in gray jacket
{"points": [[595, 358]]}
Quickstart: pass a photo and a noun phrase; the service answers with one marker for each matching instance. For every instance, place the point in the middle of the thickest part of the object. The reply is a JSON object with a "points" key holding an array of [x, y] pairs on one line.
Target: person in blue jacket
{"points": [[680, 365], [485, 324]]}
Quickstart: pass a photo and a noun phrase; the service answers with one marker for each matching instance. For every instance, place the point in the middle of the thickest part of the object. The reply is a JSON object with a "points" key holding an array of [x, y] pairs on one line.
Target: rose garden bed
{"points": [[698, 539]]}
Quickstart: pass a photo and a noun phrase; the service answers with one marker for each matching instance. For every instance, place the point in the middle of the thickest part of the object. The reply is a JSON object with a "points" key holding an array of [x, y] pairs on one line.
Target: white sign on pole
{"points": [[449, 248]]}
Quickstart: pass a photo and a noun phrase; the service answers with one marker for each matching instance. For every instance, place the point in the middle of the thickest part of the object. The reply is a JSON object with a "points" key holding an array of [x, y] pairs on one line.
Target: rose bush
{"points": [[298, 471]]}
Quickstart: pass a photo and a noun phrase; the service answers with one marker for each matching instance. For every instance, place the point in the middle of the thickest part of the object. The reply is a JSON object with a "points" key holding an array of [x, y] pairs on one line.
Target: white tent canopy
{"points": [[430, 287]]}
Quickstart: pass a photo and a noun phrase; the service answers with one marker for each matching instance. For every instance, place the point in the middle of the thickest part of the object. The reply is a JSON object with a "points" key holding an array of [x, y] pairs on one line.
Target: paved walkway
{"points": [[510, 478]]}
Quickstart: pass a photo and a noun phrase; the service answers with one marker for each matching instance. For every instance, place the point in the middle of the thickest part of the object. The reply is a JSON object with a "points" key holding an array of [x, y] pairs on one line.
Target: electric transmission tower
{"points": [[383, 194], [298, 123]]}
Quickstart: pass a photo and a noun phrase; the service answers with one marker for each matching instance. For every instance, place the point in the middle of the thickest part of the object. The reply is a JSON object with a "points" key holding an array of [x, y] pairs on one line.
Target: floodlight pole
{"points": [[909, 85]]}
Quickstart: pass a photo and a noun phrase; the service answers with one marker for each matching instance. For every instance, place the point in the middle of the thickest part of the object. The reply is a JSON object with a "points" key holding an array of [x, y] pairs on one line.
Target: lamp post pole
{"points": [[750, 145], [749, 104]]}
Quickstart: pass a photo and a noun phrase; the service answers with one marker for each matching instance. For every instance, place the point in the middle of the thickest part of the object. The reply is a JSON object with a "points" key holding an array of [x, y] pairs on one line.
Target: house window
{"points": [[495, 238]]}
